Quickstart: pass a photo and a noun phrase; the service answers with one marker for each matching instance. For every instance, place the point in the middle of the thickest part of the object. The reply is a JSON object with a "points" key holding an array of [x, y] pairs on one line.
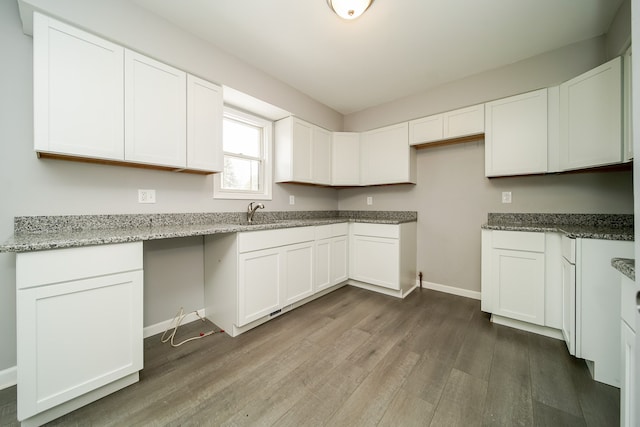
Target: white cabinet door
{"points": [[339, 259], [376, 260], [426, 129], [321, 167], [259, 284], [518, 279], [77, 337], [332, 262], [386, 157], [204, 125], [591, 118], [516, 135], [155, 112], [78, 82], [298, 272], [345, 160], [628, 392], [464, 122]]}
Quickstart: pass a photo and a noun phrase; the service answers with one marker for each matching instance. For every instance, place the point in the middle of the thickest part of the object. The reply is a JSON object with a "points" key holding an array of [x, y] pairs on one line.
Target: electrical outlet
{"points": [[506, 197], [292, 199], [146, 196], [369, 200]]}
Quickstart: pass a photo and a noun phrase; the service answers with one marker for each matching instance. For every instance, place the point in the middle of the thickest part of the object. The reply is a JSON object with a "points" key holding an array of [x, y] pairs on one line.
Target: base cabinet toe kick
{"points": [[565, 288]]}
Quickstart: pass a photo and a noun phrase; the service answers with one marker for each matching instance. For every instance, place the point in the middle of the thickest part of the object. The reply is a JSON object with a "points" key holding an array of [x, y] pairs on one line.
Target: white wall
{"points": [[52, 187]]}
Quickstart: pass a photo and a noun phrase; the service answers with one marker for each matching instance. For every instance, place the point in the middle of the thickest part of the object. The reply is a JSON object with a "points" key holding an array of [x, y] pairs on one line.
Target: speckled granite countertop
{"points": [[586, 226], [625, 266], [33, 233]]}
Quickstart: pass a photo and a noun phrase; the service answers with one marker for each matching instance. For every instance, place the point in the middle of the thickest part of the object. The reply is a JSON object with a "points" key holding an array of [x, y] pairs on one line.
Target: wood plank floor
{"points": [[357, 358]]}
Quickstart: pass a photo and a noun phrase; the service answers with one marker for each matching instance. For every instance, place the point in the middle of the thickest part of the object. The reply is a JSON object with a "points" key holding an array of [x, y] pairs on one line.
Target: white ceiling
{"points": [[397, 48]]}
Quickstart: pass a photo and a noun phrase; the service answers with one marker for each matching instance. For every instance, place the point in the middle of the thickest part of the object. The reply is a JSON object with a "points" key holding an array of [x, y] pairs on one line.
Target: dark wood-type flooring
{"points": [[357, 358]]}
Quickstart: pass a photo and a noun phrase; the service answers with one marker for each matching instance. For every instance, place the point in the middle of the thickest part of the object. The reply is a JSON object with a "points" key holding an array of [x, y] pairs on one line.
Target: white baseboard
{"points": [[8, 377], [529, 327], [451, 290], [159, 328]]}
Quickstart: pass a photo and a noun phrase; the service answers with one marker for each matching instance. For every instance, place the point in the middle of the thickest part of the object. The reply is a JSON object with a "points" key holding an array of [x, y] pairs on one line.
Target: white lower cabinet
{"points": [[521, 282], [251, 277], [384, 255], [628, 391], [332, 255], [79, 319]]}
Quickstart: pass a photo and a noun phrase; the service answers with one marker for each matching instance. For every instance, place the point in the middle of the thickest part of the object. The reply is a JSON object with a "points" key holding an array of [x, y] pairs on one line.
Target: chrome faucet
{"points": [[251, 210]]}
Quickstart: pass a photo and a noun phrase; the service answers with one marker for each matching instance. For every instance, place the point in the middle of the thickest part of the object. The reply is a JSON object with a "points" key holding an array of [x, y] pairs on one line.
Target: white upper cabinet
{"points": [[78, 92], [345, 160], [591, 118], [386, 156], [452, 124], [516, 135], [155, 112], [302, 152], [204, 125]]}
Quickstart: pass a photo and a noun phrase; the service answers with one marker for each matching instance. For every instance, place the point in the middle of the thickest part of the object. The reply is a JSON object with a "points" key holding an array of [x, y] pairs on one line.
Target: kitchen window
{"points": [[246, 146]]}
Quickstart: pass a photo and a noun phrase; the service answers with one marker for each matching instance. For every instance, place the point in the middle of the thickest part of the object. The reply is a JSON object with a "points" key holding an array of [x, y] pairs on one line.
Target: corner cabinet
{"points": [[332, 255], [516, 135], [386, 156], [345, 160], [78, 92], [302, 152], [591, 118], [79, 319]]}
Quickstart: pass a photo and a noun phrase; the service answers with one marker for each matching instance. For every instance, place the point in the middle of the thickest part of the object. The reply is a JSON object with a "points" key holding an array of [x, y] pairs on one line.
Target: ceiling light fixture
{"points": [[349, 9]]}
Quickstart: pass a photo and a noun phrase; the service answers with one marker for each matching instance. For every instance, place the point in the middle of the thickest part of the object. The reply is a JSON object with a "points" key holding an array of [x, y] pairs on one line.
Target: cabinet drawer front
{"points": [[518, 240], [60, 265], [569, 249], [391, 231], [332, 230], [263, 239]]}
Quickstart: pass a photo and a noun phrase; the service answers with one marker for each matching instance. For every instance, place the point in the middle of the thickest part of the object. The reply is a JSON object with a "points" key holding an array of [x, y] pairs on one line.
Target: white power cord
{"points": [[176, 324]]}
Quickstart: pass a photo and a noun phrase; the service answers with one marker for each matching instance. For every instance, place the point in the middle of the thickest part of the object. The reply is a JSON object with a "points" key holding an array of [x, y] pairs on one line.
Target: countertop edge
{"points": [[625, 266], [571, 231], [37, 242]]}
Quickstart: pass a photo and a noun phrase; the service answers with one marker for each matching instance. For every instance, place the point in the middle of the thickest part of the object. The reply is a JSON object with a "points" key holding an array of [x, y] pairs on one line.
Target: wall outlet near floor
{"points": [[506, 197], [146, 196], [369, 200], [292, 199]]}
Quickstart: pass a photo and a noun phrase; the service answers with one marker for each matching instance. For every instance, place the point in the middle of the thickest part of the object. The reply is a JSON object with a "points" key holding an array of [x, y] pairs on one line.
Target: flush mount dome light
{"points": [[349, 9]]}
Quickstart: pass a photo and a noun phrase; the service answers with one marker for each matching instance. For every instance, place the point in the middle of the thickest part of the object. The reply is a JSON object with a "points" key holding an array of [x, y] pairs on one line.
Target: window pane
{"points": [[241, 138], [241, 174]]}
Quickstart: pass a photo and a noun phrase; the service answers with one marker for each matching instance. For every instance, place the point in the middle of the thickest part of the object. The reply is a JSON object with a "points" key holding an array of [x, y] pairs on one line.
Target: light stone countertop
{"points": [[585, 226], [42, 233]]}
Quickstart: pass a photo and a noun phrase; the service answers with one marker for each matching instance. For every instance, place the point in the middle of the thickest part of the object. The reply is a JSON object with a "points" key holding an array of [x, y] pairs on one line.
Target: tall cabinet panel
{"points": [[591, 117], [78, 92], [204, 125], [155, 112]]}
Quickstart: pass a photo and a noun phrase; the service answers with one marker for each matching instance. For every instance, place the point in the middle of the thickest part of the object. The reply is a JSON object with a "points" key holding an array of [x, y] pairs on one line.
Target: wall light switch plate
{"points": [[506, 197], [292, 200], [146, 196], [369, 200]]}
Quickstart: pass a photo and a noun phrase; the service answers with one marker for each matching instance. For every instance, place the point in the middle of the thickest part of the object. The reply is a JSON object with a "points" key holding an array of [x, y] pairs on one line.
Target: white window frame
{"points": [[265, 192]]}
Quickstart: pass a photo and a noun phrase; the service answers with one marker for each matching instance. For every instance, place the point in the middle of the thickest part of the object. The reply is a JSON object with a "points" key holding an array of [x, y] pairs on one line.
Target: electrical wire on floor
{"points": [[176, 324]]}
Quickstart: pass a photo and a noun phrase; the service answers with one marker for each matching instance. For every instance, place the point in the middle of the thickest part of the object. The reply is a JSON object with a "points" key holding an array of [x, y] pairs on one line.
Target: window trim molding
{"points": [[267, 179]]}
